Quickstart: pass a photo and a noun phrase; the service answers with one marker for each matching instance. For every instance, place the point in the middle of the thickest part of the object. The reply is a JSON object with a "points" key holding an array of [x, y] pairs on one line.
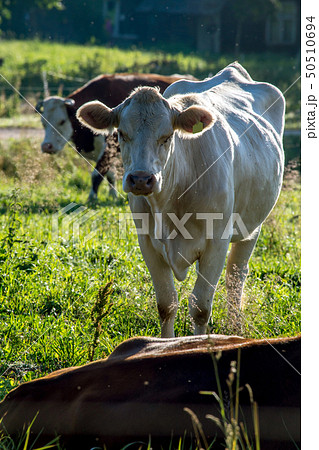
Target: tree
{"points": [[7, 5], [253, 11], [4, 10]]}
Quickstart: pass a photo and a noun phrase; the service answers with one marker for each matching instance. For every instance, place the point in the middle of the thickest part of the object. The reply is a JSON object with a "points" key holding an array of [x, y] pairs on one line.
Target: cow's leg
{"points": [[101, 170], [163, 281], [236, 273], [209, 270], [97, 179], [111, 178]]}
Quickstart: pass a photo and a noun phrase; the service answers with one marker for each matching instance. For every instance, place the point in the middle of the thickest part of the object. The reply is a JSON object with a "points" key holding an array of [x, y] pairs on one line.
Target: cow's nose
{"points": [[141, 183], [47, 147]]}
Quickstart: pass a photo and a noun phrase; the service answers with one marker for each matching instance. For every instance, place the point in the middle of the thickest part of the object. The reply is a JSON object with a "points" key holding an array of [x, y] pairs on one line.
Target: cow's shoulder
{"points": [[91, 90]]}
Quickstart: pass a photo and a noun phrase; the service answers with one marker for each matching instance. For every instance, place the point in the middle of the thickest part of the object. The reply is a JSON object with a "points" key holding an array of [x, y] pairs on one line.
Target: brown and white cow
{"points": [[140, 392], [60, 123], [198, 193]]}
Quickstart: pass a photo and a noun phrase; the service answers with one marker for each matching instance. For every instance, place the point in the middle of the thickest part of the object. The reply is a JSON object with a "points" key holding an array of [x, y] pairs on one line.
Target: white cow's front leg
{"points": [[209, 270], [163, 281]]}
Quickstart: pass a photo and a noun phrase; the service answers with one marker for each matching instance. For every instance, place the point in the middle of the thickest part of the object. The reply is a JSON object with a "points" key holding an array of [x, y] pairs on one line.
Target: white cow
{"points": [[200, 192]]}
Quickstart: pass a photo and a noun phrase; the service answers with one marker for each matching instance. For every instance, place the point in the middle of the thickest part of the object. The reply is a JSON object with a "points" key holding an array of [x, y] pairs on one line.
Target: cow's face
{"points": [[56, 123], [145, 135], [146, 125]]}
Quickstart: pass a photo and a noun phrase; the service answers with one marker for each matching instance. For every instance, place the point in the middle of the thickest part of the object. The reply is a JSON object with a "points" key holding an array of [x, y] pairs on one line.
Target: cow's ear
{"points": [[97, 116], [193, 120]]}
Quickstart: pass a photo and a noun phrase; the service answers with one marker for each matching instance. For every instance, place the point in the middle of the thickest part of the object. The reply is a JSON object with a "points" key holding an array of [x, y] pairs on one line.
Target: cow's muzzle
{"points": [[48, 148], [140, 183]]}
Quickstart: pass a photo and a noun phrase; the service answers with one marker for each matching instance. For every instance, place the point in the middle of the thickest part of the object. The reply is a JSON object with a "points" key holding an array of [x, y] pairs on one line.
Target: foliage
{"points": [[253, 10], [6, 6], [4, 10], [70, 20]]}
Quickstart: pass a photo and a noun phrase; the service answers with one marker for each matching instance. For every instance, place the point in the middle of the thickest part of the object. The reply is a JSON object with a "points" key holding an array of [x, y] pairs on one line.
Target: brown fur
{"points": [[145, 384]]}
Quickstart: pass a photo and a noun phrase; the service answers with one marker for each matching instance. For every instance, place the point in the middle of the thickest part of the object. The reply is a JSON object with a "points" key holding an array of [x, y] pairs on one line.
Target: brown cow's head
{"points": [[56, 123]]}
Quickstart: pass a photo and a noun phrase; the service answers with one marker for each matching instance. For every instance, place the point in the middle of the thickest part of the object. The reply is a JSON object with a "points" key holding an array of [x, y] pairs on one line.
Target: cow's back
{"points": [[113, 89], [232, 73], [233, 89]]}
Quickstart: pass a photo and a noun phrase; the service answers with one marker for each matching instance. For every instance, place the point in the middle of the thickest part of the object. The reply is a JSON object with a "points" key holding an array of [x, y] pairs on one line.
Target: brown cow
{"points": [[140, 391], [61, 125]]}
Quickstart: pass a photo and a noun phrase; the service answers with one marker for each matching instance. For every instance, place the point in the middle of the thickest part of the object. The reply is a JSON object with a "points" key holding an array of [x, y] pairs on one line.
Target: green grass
{"points": [[49, 283], [68, 66]]}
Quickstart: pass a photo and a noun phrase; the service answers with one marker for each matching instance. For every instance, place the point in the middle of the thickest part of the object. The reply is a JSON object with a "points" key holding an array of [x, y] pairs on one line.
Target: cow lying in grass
{"points": [[141, 390], [203, 168]]}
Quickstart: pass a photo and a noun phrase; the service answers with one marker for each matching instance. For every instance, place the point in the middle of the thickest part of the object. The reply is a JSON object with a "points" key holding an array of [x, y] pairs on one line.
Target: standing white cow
{"points": [[200, 192]]}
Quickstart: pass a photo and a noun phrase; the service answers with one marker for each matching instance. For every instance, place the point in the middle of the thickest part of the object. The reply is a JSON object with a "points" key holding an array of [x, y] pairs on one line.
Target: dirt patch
{"points": [[21, 133]]}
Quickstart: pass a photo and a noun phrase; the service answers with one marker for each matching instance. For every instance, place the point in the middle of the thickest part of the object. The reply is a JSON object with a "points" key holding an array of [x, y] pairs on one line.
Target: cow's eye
{"points": [[62, 122]]}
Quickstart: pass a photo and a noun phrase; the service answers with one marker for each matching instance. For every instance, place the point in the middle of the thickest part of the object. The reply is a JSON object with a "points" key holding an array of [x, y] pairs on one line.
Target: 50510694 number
{"points": [[310, 47]]}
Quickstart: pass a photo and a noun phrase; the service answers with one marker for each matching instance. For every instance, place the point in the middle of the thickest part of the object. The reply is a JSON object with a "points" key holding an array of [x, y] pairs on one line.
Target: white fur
{"points": [[56, 133]]}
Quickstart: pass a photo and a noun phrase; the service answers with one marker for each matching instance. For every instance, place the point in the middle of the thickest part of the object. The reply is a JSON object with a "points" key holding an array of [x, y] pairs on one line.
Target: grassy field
{"points": [[52, 273]]}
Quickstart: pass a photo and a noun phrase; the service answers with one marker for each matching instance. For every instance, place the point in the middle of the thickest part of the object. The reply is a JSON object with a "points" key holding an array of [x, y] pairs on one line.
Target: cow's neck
{"points": [[178, 175], [173, 200]]}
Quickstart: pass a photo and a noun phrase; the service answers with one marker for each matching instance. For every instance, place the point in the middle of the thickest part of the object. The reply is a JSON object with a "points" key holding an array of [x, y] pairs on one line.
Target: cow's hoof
{"points": [[113, 193], [92, 197]]}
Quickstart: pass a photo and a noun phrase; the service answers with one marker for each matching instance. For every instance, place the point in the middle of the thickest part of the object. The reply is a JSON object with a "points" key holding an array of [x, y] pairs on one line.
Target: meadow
{"points": [[51, 273], [71, 290]]}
